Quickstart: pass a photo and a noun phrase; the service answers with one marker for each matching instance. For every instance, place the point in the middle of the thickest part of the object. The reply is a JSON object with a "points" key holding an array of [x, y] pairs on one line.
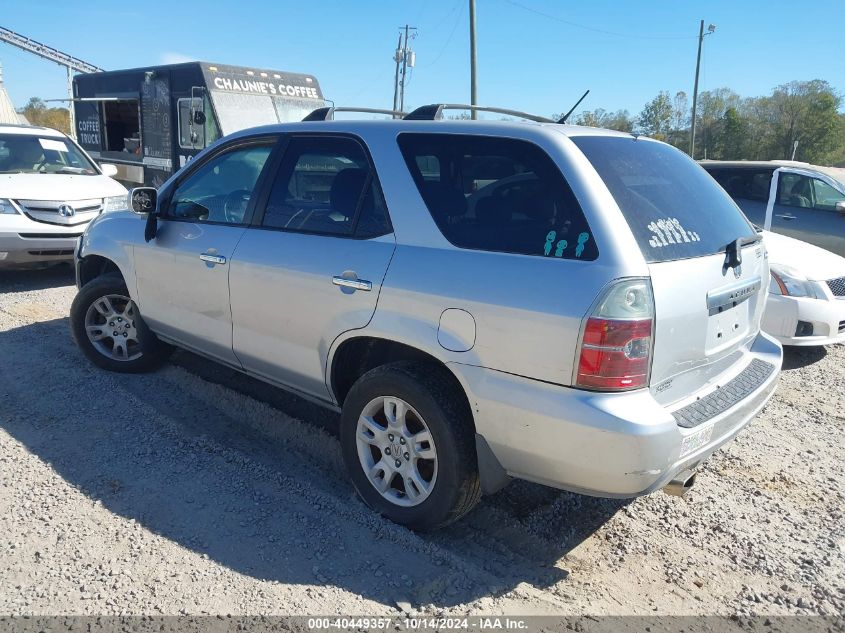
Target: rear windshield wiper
{"points": [[733, 250]]}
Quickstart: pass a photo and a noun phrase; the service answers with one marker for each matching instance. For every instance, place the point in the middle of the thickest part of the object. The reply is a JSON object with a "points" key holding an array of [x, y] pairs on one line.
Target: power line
{"points": [[595, 30], [458, 19]]}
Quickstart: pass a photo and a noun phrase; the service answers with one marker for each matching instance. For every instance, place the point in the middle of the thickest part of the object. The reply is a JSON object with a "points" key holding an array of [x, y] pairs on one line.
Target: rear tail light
{"points": [[615, 352]]}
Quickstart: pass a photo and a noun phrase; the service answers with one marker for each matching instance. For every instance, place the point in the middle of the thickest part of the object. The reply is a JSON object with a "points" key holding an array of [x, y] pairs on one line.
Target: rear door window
{"points": [[673, 208], [496, 194], [744, 183], [326, 185]]}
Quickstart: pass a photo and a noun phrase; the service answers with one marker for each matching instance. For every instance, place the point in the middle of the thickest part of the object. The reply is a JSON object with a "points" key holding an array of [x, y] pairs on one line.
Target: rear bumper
{"points": [[607, 445], [827, 317], [22, 252]]}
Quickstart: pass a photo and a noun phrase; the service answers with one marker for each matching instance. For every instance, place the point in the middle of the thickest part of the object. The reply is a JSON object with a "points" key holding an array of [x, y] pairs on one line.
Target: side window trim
{"points": [[272, 170], [270, 140]]}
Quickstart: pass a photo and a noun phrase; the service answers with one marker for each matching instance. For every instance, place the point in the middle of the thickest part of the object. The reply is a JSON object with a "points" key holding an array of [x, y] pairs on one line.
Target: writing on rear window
{"points": [[670, 231]]}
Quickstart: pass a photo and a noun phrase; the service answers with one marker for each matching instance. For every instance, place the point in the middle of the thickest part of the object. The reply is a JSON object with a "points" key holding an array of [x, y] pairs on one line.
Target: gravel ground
{"points": [[195, 490]]}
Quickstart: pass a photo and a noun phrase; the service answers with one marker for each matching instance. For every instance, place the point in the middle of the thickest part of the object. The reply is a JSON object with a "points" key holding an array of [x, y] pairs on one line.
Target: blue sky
{"points": [[534, 55]]}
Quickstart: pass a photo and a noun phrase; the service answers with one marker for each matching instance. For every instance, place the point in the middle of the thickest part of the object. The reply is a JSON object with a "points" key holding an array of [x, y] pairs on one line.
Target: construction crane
{"points": [[54, 55]]}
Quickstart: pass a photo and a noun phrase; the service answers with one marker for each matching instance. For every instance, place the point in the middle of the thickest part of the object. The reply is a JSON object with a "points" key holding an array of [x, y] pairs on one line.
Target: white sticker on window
{"points": [[669, 231], [56, 146]]}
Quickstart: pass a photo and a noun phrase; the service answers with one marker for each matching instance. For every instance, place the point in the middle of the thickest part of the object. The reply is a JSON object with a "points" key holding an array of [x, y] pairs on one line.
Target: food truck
{"points": [[150, 121]]}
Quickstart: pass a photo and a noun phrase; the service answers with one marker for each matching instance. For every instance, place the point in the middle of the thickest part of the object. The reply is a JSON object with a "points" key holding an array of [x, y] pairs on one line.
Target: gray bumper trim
{"points": [[726, 396]]}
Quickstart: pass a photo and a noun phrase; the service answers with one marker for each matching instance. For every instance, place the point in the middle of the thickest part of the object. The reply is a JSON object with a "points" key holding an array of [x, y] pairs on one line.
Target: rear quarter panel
{"points": [[528, 310]]}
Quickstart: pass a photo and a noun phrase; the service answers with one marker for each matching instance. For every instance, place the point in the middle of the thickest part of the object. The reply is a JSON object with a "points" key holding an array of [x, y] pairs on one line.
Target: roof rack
{"points": [[327, 113], [434, 112]]}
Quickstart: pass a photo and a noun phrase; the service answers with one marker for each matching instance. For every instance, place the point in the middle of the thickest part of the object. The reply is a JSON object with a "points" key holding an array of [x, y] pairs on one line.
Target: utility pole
{"points": [[397, 57], [701, 34], [405, 58], [473, 81]]}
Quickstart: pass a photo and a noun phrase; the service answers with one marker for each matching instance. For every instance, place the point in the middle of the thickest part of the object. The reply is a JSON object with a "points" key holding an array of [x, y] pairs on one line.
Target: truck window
{"points": [[191, 135], [122, 126]]}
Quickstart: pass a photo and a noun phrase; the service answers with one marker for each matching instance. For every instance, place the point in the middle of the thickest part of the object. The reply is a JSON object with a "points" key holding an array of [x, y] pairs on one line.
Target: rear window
{"points": [[496, 194], [673, 207]]}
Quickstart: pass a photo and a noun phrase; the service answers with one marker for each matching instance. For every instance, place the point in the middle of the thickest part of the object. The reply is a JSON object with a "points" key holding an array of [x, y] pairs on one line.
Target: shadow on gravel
{"points": [[36, 279], [798, 357], [256, 497]]}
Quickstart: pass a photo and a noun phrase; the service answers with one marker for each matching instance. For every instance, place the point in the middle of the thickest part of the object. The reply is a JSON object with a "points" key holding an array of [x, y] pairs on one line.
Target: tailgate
{"points": [[706, 318]]}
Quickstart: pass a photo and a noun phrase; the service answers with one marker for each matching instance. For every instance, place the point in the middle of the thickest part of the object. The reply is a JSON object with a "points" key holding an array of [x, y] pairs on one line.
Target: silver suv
{"points": [[480, 300]]}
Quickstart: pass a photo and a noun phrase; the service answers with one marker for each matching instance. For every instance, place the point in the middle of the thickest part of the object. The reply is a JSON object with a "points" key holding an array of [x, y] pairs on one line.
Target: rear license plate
{"points": [[725, 328], [694, 441]]}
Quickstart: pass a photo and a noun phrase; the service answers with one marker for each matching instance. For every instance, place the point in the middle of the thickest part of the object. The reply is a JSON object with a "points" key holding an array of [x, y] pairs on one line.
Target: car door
{"points": [[805, 208], [312, 266], [183, 273]]}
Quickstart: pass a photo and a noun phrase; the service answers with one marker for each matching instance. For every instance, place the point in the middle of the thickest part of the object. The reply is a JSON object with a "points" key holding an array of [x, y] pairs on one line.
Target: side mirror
{"points": [[143, 199], [108, 169], [840, 207], [199, 117]]}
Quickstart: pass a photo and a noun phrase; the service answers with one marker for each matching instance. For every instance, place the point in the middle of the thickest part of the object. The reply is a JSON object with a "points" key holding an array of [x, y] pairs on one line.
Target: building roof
{"points": [[7, 109]]}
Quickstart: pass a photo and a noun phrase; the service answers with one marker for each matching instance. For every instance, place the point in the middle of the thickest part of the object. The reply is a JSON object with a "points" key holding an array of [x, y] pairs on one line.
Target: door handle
{"points": [[356, 284], [786, 217], [213, 259]]}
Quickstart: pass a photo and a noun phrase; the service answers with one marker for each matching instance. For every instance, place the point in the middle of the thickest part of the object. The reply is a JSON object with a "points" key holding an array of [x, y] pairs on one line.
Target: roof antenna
{"points": [[566, 116]]}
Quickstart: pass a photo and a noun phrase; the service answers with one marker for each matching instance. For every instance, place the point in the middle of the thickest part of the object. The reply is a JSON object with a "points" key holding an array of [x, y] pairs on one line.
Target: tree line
{"points": [[731, 127], [728, 126], [38, 113]]}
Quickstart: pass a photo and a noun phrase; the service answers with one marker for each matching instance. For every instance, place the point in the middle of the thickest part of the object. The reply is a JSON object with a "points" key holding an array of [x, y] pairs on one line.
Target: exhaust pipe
{"points": [[682, 482]]}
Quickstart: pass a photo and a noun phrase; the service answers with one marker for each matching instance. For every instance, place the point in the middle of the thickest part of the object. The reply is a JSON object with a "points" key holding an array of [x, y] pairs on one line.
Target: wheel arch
{"points": [[89, 267], [356, 355]]}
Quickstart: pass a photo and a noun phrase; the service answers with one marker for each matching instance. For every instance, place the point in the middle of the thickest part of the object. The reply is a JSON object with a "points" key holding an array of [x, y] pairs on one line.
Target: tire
{"points": [[144, 351], [451, 485]]}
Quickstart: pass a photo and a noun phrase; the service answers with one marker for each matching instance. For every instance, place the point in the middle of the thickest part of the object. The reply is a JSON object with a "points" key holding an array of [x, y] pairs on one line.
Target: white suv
{"points": [[50, 190]]}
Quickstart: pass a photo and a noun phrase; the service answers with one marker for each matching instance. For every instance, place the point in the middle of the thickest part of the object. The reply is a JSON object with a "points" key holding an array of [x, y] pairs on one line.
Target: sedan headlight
{"points": [[791, 283], [115, 203], [7, 207]]}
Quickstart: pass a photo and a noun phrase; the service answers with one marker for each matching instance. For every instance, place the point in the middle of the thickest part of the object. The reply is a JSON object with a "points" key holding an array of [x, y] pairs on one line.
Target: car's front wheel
{"points": [[409, 445], [108, 328]]}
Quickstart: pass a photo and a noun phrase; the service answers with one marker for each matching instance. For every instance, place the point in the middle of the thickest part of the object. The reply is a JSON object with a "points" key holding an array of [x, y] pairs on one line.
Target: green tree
{"points": [[620, 120], [37, 113], [712, 106], [805, 112], [656, 117], [733, 136]]}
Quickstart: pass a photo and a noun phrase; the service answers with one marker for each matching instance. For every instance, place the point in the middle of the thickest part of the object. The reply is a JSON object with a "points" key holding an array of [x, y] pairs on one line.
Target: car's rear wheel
{"points": [[409, 445], [107, 326]]}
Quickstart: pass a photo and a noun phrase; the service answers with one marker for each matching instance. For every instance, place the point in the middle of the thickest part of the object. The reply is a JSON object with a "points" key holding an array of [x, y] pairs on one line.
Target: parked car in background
{"points": [[800, 200], [480, 299], [806, 303], [50, 190]]}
